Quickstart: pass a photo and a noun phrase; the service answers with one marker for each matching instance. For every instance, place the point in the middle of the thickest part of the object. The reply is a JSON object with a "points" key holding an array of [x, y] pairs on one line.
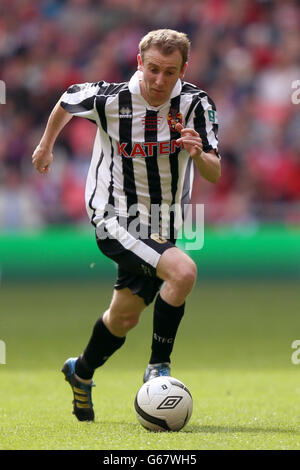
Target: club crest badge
{"points": [[158, 238], [173, 119]]}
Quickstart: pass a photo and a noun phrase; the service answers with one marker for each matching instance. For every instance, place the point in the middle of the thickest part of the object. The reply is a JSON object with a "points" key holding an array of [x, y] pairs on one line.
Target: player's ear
{"points": [[183, 70], [139, 61]]}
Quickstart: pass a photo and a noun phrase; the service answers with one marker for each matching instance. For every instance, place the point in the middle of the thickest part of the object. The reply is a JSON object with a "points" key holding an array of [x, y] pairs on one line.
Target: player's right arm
{"points": [[78, 100], [42, 156]]}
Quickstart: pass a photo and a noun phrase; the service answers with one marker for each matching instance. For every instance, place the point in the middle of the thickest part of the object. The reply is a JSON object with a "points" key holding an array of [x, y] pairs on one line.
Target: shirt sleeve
{"points": [[204, 120], [79, 100]]}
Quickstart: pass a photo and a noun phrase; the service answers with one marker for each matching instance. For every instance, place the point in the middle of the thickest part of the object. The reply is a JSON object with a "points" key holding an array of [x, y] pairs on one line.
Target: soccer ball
{"points": [[163, 404]]}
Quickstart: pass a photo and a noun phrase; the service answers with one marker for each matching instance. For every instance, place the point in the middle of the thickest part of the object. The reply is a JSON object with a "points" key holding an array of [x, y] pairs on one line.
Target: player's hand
{"points": [[42, 159], [190, 140]]}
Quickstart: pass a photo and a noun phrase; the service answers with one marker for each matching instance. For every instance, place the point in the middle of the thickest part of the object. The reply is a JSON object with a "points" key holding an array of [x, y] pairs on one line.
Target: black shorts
{"points": [[136, 254]]}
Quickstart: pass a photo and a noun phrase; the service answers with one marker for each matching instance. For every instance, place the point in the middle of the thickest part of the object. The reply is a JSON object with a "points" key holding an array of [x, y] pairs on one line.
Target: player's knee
{"points": [[120, 322], [184, 277], [124, 322], [129, 320]]}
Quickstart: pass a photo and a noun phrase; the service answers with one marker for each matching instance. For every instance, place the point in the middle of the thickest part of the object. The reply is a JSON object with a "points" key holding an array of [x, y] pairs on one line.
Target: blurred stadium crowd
{"points": [[245, 54]]}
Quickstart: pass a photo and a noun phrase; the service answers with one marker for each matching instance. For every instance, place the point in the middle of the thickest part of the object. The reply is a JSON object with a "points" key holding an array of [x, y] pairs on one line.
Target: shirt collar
{"points": [[134, 85]]}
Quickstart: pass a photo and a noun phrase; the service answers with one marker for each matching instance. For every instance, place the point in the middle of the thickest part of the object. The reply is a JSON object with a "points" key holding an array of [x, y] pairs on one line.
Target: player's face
{"points": [[160, 73]]}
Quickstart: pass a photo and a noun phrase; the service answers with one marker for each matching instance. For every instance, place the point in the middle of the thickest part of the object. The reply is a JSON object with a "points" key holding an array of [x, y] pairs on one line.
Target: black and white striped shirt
{"points": [[136, 162]]}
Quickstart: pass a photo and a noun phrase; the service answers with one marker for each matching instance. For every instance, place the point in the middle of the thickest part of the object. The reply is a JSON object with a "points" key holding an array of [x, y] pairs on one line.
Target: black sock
{"points": [[166, 319], [101, 346]]}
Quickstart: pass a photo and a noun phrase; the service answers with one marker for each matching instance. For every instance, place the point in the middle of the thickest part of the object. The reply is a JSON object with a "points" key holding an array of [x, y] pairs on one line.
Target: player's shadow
{"points": [[198, 428], [236, 429]]}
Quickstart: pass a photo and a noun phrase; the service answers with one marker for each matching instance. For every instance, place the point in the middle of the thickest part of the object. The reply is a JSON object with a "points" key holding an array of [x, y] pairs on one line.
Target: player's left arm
{"points": [[208, 163]]}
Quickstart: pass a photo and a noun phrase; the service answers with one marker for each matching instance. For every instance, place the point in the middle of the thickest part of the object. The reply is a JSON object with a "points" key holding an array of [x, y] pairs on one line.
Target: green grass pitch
{"points": [[233, 351]]}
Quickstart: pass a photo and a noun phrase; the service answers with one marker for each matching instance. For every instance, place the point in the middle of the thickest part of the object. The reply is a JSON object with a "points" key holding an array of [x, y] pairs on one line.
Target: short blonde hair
{"points": [[166, 41]]}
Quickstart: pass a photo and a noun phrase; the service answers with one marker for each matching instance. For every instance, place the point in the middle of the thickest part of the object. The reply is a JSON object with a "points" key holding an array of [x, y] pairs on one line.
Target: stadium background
{"points": [[245, 54]]}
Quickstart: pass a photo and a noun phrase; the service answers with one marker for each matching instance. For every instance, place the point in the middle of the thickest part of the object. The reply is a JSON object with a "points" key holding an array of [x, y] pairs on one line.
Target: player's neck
{"points": [[149, 101]]}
